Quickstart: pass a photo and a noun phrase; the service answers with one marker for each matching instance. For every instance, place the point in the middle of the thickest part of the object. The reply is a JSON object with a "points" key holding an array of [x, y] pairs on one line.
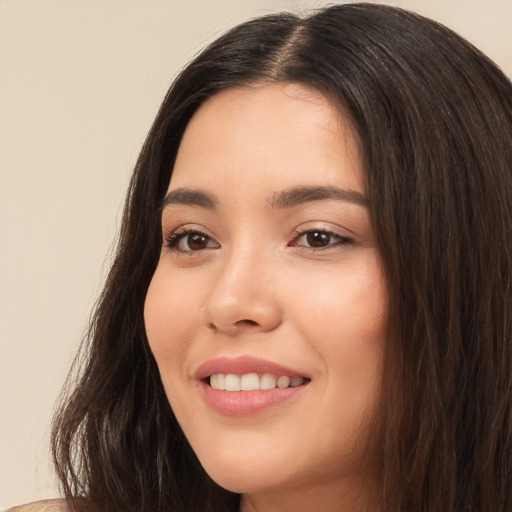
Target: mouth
{"points": [[253, 381], [246, 385]]}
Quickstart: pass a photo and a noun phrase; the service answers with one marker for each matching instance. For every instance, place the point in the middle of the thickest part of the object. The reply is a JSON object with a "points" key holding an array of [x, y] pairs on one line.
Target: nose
{"points": [[242, 297]]}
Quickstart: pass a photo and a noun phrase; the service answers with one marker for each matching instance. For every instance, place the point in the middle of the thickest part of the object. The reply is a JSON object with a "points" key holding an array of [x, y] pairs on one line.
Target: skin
{"points": [[43, 506], [256, 285]]}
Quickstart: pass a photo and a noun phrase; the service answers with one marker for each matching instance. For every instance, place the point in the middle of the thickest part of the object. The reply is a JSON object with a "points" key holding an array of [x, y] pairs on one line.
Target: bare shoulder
{"points": [[43, 506]]}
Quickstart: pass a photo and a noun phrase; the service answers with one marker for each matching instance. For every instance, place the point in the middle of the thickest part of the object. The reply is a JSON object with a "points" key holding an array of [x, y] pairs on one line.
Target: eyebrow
{"points": [[189, 197], [285, 199], [300, 195]]}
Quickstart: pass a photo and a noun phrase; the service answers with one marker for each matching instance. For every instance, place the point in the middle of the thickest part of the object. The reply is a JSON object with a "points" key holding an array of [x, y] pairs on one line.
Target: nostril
{"points": [[246, 322]]}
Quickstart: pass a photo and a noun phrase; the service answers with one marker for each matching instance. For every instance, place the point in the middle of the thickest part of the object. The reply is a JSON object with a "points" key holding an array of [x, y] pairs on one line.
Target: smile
{"points": [[253, 381], [245, 385]]}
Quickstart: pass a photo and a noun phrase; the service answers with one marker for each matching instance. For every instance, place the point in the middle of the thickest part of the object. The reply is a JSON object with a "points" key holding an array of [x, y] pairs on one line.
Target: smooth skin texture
{"points": [[251, 269], [57, 505]]}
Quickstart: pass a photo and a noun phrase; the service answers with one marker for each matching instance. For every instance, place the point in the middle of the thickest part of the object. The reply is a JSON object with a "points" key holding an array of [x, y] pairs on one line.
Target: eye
{"points": [[190, 241], [318, 239]]}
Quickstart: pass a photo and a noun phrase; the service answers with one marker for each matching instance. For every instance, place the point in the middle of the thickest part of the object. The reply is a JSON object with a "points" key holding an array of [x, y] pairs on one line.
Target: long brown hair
{"points": [[434, 121]]}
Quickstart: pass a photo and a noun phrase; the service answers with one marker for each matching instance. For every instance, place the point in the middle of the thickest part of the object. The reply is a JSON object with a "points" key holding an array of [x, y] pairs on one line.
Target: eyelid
{"points": [[341, 240], [174, 237]]}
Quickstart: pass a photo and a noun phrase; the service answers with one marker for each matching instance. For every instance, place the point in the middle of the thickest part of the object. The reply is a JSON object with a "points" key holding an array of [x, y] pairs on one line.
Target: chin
{"points": [[247, 482], [247, 473], [238, 476], [240, 484]]}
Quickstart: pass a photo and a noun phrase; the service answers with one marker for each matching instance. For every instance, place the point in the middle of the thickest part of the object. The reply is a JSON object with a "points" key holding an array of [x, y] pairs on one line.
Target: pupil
{"points": [[318, 239], [197, 242]]}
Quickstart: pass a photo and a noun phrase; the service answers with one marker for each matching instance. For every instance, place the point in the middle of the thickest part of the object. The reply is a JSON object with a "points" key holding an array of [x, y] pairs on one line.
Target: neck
{"points": [[304, 499]]}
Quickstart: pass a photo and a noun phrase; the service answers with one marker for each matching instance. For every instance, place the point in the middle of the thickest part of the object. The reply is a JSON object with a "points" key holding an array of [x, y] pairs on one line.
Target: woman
{"points": [[310, 304]]}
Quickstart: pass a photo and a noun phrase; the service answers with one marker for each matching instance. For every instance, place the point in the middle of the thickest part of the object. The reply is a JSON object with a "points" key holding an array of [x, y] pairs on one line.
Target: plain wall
{"points": [[80, 83]]}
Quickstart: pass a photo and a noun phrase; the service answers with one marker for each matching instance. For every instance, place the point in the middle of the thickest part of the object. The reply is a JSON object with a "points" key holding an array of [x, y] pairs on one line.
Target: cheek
{"points": [[345, 319], [170, 319], [345, 307]]}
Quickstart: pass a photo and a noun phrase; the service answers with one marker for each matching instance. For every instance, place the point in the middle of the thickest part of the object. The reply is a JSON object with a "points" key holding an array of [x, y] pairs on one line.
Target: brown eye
{"points": [[316, 239], [194, 242], [190, 241]]}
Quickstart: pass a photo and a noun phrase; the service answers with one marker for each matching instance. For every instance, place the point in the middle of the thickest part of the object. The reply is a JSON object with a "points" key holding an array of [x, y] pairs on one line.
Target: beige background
{"points": [[80, 82]]}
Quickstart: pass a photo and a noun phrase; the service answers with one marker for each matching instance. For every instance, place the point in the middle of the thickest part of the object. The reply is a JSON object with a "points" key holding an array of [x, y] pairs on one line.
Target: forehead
{"points": [[283, 134]]}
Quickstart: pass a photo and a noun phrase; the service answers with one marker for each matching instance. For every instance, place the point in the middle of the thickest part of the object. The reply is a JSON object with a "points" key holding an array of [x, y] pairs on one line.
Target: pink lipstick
{"points": [[246, 385]]}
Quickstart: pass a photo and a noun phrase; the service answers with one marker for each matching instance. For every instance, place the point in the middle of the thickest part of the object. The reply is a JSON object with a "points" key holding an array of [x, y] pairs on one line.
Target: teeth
{"points": [[268, 381], [252, 381], [249, 382], [296, 381], [283, 382], [232, 382]]}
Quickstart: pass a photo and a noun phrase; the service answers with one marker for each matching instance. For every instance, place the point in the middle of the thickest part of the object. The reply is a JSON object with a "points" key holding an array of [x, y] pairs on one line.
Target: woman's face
{"points": [[269, 278]]}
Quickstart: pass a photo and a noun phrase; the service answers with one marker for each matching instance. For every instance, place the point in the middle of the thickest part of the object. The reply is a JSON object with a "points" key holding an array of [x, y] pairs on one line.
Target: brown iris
{"points": [[318, 238], [197, 242]]}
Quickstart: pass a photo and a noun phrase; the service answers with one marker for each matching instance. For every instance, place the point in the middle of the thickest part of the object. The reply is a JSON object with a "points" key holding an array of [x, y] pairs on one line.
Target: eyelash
{"points": [[174, 238], [340, 240]]}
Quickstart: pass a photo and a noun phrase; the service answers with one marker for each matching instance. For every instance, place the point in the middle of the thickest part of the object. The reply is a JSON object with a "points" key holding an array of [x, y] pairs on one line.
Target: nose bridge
{"points": [[241, 296]]}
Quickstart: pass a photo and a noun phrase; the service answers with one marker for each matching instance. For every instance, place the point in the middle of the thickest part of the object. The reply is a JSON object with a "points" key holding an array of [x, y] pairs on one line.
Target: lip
{"points": [[245, 403]]}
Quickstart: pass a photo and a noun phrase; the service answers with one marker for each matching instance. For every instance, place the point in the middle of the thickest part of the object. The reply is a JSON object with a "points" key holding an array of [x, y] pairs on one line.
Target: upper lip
{"points": [[242, 365]]}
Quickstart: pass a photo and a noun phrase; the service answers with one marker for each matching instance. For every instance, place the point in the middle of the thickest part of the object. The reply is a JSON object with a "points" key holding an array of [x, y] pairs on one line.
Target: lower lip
{"points": [[244, 403]]}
